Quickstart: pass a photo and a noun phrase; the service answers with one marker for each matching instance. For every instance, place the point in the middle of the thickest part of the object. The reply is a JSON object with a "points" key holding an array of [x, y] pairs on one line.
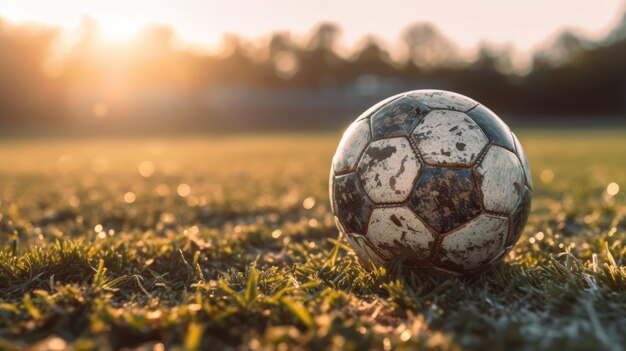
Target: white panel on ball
{"points": [[397, 230], [444, 100], [449, 137], [501, 179], [351, 145], [479, 241], [388, 170]]}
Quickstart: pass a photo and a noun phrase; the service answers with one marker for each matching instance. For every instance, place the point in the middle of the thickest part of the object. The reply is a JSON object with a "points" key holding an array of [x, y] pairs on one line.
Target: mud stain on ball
{"points": [[398, 118], [445, 197], [388, 170], [474, 244], [501, 179], [400, 233], [353, 206], [440, 99], [449, 137]]}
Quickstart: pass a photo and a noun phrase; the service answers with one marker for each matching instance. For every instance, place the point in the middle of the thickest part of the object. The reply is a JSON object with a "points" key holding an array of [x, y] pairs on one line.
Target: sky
{"points": [[526, 24]]}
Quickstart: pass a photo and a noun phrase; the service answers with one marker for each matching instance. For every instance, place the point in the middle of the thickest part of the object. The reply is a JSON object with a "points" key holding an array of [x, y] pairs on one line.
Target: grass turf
{"points": [[227, 243]]}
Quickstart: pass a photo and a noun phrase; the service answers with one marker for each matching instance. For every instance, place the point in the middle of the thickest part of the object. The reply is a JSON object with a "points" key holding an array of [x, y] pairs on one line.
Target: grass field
{"points": [[227, 243]]}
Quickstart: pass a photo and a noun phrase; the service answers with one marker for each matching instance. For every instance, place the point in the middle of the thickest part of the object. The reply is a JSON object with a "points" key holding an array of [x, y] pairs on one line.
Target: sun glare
{"points": [[119, 30]]}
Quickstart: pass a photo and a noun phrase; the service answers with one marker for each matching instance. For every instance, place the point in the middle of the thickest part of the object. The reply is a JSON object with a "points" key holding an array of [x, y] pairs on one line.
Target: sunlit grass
{"points": [[227, 242]]}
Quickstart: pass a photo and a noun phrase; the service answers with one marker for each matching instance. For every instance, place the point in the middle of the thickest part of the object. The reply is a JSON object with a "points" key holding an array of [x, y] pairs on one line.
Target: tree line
{"points": [[573, 77]]}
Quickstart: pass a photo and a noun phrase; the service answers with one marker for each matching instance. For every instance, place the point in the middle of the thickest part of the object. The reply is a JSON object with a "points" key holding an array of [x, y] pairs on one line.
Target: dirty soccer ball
{"points": [[432, 178]]}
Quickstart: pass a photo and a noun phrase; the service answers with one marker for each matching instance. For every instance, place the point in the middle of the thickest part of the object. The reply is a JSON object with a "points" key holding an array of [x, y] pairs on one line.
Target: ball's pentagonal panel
{"points": [[501, 179], [449, 137], [377, 106], [398, 118], [522, 156], [519, 216], [445, 198], [388, 169], [353, 204], [351, 145], [440, 99], [476, 243], [398, 231], [493, 127]]}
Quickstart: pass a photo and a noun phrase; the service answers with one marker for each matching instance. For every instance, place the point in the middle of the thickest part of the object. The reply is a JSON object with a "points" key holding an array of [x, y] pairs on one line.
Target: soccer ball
{"points": [[432, 178]]}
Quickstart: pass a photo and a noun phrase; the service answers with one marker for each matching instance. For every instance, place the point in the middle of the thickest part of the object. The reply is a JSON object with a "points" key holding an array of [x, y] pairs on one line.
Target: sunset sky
{"points": [[526, 23]]}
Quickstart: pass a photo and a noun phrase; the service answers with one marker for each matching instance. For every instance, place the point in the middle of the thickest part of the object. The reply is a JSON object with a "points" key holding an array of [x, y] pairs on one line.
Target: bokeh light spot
{"points": [[146, 169], [612, 189], [547, 175], [130, 197], [308, 203], [183, 190]]}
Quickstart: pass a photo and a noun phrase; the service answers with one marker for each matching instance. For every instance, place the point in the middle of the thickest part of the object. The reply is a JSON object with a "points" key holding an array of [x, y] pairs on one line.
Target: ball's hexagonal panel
{"points": [[388, 169], [397, 118], [399, 232], [519, 217], [476, 243], [377, 106], [501, 179], [351, 145], [494, 128], [522, 156], [445, 197], [449, 137], [441, 99], [352, 204]]}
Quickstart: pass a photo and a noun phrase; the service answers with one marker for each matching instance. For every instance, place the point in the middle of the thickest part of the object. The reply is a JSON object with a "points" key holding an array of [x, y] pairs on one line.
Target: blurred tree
{"points": [[319, 63], [427, 47], [28, 95]]}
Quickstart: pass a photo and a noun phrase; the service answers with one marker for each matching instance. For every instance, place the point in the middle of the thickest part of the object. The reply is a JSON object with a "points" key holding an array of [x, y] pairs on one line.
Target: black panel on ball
{"points": [[398, 118], [445, 197], [493, 127], [353, 206]]}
